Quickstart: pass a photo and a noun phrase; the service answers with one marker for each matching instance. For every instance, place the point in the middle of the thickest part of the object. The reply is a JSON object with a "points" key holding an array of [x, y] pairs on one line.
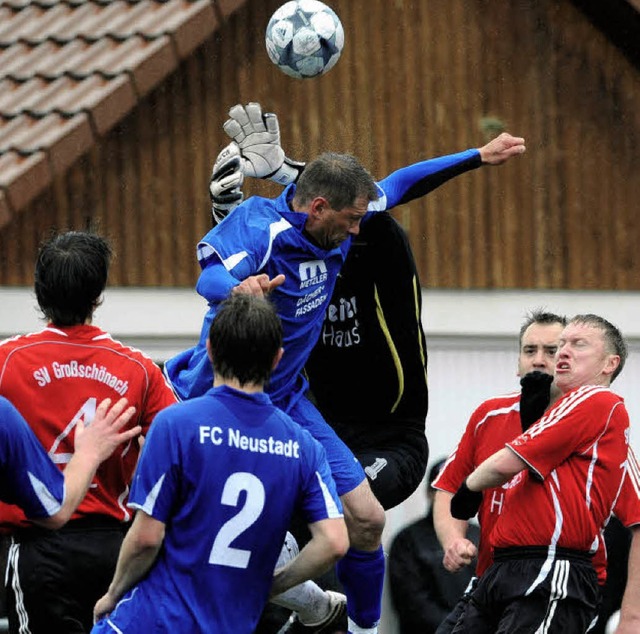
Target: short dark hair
{"points": [[71, 275], [613, 338], [340, 178], [539, 316], [245, 337]]}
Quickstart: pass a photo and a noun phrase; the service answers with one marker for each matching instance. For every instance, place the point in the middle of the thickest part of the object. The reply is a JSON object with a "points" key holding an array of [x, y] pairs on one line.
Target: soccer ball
{"points": [[304, 38]]}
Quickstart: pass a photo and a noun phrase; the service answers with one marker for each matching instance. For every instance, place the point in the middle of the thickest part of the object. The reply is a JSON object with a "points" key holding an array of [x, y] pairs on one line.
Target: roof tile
{"points": [[72, 69], [23, 178]]}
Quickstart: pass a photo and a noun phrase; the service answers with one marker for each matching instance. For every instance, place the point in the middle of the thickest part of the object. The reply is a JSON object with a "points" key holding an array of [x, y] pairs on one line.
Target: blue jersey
{"points": [[28, 477], [265, 236], [224, 472]]}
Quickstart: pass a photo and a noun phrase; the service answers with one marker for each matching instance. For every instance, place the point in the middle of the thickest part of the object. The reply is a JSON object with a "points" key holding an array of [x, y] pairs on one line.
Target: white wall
{"points": [[472, 339]]}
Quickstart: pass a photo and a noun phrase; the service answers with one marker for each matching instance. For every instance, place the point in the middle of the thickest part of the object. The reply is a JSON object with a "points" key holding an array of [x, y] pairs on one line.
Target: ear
{"points": [[611, 364], [277, 358], [317, 206], [209, 351]]}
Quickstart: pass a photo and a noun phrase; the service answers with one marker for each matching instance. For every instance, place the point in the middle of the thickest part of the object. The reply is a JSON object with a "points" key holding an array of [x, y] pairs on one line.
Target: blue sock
{"points": [[361, 573]]}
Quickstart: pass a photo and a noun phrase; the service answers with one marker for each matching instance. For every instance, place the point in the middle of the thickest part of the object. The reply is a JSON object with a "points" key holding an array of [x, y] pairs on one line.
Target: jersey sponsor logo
{"points": [[312, 272], [76, 370], [236, 439], [374, 469], [341, 327]]}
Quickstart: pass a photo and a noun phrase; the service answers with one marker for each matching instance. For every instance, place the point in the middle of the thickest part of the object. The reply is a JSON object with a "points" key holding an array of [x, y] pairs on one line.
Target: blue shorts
{"points": [[345, 468]]}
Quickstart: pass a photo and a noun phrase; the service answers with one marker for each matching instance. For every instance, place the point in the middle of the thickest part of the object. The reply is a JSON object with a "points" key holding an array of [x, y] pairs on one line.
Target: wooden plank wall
{"points": [[418, 78]]}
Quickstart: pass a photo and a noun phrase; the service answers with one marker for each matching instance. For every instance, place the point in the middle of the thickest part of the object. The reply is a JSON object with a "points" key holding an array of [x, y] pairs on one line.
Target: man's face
{"points": [[583, 358], [330, 228], [538, 348]]}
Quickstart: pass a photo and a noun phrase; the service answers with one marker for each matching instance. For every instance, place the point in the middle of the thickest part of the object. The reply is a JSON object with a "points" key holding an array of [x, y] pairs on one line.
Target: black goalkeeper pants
{"points": [[394, 468]]}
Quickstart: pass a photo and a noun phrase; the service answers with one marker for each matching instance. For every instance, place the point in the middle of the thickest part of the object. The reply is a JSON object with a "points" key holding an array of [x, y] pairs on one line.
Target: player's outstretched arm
{"points": [[94, 443], [258, 285], [502, 148], [329, 542]]}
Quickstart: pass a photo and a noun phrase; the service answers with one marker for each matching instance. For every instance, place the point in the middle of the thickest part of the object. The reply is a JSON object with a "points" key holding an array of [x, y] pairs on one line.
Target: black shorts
{"points": [[518, 595], [56, 577], [396, 467], [447, 625]]}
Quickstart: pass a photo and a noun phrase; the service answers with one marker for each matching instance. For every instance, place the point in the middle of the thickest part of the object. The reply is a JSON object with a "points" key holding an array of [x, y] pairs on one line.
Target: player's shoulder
{"points": [[130, 353], [257, 220], [497, 406], [591, 395], [10, 343]]}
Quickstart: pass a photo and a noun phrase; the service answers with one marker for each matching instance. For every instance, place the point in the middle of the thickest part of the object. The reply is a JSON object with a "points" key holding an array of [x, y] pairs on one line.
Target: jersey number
{"points": [[222, 554], [84, 414]]}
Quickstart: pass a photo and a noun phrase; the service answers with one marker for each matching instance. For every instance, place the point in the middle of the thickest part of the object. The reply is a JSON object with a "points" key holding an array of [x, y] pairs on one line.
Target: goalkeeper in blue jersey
{"points": [[217, 483], [293, 248]]}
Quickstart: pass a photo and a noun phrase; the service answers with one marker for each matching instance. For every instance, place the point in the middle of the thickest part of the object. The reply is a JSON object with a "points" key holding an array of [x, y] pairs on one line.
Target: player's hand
{"points": [[225, 185], [103, 607], [459, 554], [258, 137], [258, 285], [465, 503], [98, 439], [534, 397], [502, 148]]}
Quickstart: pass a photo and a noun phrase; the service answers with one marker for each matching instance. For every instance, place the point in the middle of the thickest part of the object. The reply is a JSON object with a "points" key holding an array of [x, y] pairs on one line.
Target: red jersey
{"points": [[491, 426], [56, 378], [626, 509], [577, 458]]}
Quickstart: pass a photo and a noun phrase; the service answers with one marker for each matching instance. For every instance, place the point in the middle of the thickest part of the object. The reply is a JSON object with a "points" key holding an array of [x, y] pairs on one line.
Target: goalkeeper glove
{"points": [[258, 137], [534, 397], [465, 503], [225, 184]]}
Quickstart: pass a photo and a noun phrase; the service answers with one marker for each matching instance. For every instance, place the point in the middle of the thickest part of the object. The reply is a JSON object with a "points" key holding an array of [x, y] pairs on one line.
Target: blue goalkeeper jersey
{"points": [[224, 472], [28, 477], [265, 236]]}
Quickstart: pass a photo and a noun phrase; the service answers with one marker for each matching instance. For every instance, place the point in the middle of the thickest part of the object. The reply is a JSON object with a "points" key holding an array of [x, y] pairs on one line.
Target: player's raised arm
{"points": [[258, 137], [502, 148]]}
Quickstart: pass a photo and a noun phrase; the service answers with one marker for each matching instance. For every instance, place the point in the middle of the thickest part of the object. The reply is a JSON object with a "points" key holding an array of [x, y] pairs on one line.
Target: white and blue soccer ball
{"points": [[304, 38]]}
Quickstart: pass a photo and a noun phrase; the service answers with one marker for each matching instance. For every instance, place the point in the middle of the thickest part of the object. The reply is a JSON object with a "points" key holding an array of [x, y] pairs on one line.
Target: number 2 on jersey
{"points": [[222, 553]]}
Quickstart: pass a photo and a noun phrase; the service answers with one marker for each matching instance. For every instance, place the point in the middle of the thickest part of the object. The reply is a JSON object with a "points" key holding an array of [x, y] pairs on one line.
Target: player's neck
{"points": [[249, 388]]}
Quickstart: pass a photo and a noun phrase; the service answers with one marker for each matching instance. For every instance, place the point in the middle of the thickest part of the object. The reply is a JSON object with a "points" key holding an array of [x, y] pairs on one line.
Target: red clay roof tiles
{"points": [[70, 70]]}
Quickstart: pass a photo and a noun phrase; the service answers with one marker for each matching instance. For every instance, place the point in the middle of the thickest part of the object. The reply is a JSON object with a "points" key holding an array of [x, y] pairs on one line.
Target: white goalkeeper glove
{"points": [[258, 137], [225, 184]]}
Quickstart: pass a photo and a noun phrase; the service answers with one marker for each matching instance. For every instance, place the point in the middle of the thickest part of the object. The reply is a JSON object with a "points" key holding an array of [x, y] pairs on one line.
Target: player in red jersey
{"points": [[564, 476], [494, 423], [55, 378], [29, 479]]}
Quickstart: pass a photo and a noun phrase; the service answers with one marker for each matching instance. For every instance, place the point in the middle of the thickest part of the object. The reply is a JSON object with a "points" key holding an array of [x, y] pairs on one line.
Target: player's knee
{"points": [[365, 518]]}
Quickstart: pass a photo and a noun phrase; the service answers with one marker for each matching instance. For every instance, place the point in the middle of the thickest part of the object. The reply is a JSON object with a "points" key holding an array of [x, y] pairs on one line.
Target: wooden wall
{"points": [[418, 78]]}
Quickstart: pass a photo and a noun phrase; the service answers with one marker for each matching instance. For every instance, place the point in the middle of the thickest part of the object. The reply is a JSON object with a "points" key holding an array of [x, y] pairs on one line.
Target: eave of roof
{"points": [[70, 70]]}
